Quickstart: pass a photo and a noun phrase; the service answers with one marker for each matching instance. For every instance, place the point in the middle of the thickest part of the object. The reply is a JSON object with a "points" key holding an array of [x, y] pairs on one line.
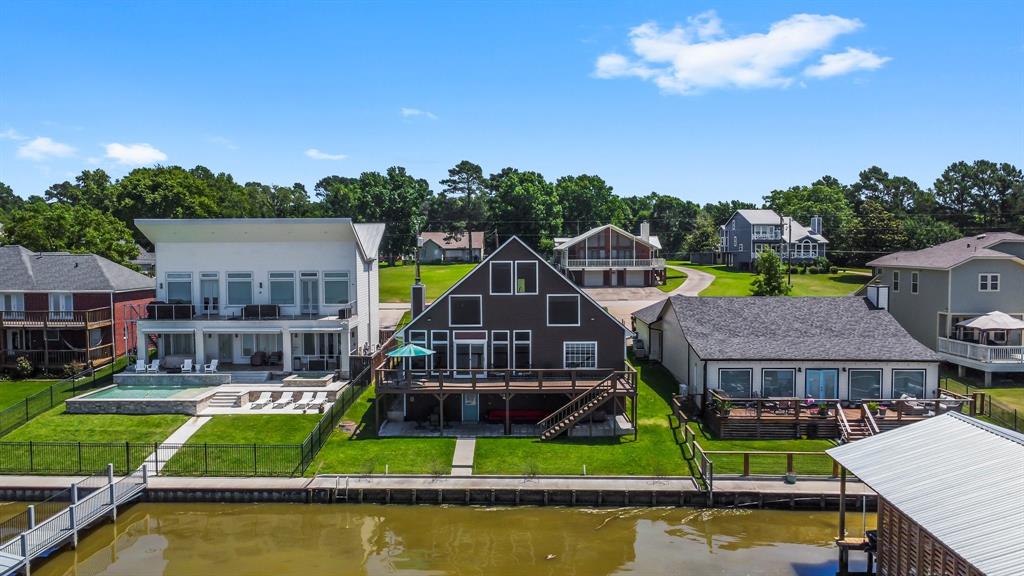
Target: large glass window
{"points": [[735, 383], [179, 287], [501, 277], [499, 349], [209, 291], [822, 383], [521, 349], [419, 338], [579, 354], [336, 288], [909, 382], [282, 288], [439, 344], [865, 384], [526, 277], [62, 305], [465, 310], [778, 383], [239, 288], [564, 310], [178, 344]]}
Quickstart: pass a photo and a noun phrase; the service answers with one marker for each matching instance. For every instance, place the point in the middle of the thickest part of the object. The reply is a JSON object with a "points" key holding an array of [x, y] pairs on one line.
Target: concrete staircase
{"points": [[225, 400]]}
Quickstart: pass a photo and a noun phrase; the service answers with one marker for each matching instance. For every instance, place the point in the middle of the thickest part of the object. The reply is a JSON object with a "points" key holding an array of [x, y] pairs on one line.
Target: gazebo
{"points": [[993, 329]]}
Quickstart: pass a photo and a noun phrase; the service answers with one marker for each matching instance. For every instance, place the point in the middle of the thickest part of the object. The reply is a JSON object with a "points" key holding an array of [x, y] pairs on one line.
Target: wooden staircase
{"points": [[578, 408], [852, 430]]}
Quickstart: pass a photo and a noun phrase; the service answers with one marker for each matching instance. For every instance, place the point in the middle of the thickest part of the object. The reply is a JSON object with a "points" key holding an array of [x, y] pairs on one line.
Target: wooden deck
{"points": [[498, 381]]}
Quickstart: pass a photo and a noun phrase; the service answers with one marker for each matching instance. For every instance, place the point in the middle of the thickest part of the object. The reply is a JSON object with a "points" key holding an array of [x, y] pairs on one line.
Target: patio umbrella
{"points": [[993, 321], [410, 351]]}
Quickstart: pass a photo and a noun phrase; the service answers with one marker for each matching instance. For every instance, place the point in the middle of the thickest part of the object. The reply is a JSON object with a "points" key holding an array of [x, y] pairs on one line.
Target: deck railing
{"points": [[165, 311], [615, 263], [56, 318], [60, 358], [499, 379], [982, 352], [758, 408]]}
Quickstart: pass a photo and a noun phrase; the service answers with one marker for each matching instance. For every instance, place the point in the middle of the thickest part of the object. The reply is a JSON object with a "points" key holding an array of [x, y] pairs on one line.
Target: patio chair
{"points": [[285, 399], [140, 365], [265, 399], [186, 366], [304, 401], [212, 366], [154, 366], [319, 399]]}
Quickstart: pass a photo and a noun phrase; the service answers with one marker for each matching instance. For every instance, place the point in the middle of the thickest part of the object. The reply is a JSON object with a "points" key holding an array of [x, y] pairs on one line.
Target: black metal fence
{"points": [[1003, 415]]}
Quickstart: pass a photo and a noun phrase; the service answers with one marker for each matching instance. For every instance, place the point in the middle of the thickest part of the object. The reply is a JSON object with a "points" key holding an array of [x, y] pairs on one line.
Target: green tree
{"points": [[981, 195], [922, 231], [587, 202], [829, 202], [720, 212], [60, 227], [339, 196], [8, 199], [896, 194], [877, 232], [524, 204], [704, 237], [465, 191], [771, 278], [672, 220], [397, 199]]}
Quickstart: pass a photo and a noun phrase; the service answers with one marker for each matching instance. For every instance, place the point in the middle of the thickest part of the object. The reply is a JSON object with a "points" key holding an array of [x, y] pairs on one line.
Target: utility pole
{"points": [[789, 248]]}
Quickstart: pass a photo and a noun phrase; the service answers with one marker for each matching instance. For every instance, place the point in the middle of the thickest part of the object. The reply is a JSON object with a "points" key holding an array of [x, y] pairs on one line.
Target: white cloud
{"points": [[43, 148], [700, 56], [320, 155], [11, 134], [846, 62], [412, 112], [134, 154]]}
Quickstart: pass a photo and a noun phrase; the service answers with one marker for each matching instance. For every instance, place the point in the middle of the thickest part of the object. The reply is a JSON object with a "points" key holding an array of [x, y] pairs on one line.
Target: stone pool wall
{"points": [[184, 380], [189, 406]]}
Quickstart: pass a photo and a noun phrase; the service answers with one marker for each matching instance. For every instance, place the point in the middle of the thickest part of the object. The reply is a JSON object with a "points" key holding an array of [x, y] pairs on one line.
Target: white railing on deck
{"points": [[982, 352], [616, 263]]}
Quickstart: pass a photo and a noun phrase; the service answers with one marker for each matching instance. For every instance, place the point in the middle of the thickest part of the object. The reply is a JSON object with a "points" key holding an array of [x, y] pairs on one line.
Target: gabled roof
{"points": [[799, 232], [443, 240], [650, 314], [369, 235], [651, 241], [958, 478], [567, 284], [759, 216], [23, 270], [785, 328], [951, 254]]}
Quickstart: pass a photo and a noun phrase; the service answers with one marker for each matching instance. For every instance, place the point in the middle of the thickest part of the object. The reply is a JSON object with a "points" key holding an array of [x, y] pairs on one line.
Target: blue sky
{"points": [[698, 100]]}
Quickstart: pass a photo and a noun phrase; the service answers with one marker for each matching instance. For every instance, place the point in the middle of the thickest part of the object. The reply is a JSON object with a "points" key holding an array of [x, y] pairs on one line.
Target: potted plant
{"points": [[724, 407], [822, 411], [873, 408], [881, 411]]}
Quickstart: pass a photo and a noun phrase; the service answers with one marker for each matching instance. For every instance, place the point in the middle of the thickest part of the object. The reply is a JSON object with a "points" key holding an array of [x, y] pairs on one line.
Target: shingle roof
{"points": [[442, 240], [950, 254], [649, 314], [783, 328], [27, 271], [958, 478], [652, 240], [760, 216]]}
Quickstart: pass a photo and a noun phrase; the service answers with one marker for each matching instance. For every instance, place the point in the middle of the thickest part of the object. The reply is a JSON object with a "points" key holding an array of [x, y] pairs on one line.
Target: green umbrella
{"points": [[410, 351]]}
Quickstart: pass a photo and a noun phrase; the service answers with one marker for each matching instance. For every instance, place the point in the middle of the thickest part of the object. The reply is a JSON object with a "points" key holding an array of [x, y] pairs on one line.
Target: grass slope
{"points": [[12, 392], [673, 279], [730, 282], [819, 465], [256, 429], [396, 281], [363, 452]]}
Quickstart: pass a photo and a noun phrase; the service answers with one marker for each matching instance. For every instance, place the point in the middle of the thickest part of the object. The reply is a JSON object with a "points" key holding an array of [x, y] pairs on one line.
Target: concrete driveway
{"points": [[622, 301]]}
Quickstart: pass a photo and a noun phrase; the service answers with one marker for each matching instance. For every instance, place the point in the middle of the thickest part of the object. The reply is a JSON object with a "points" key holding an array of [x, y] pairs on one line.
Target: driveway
{"points": [[622, 301]]}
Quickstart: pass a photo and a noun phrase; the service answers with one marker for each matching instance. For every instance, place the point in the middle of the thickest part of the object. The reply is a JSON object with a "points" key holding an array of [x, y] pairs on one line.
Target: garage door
{"points": [[593, 278], [634, 278]]}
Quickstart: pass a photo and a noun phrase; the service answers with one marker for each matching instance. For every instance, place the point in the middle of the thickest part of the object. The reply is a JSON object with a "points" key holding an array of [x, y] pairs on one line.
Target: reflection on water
{"points": [[298, 540]]}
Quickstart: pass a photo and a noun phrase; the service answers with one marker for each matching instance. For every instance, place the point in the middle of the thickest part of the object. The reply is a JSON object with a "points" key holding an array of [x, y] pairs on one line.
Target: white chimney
{"points": [[816, 225], [645, 231], [878, 295]]}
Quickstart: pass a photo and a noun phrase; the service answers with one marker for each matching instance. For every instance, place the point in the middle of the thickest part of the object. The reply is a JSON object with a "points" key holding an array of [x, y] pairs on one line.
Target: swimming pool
{"points": [[120, 392]]}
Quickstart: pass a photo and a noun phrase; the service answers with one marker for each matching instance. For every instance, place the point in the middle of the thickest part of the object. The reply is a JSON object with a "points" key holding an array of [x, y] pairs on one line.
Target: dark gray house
{"points": [[937, 294], [749, 232], [514, 341]]}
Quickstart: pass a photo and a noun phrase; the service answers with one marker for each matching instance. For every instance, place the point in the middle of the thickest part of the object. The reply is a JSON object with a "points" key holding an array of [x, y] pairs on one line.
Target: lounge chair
{"points": [[319, 399], [265, 399], [285, 399], [154, 366], [211, 367], [304, 401], [186, 366], [140, 365]]}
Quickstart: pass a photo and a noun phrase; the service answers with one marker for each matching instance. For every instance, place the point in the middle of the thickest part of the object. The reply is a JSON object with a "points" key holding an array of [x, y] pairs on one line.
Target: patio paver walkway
{"points": [[462, 462]]}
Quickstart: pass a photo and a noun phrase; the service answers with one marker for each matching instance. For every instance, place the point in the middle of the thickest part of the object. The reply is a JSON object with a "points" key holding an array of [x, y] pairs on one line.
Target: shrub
{"points": [[23, 367], [822, 263], [833, 270], [73, 369]]}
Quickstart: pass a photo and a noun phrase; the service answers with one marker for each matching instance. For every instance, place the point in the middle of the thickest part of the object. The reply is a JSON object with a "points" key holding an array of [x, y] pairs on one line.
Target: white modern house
{"points": [[287, 295]]}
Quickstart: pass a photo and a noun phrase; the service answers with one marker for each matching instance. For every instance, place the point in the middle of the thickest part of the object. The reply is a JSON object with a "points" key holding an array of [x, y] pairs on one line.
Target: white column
{"points": [[200, 346], [343, 341], [286, 350], [140, 344]]}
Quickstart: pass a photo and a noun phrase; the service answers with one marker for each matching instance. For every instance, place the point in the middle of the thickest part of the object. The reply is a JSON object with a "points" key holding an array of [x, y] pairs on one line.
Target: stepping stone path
{"points": [[462, 462]]}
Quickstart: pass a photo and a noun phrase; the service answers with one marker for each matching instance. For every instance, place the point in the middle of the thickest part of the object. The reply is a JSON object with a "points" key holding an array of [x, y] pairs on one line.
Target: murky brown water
{"points": [[300, 540]]}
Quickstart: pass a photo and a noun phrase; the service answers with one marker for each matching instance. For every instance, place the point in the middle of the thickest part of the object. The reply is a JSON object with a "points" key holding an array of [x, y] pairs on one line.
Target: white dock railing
{"points": [[982, 352], [615, 263]]}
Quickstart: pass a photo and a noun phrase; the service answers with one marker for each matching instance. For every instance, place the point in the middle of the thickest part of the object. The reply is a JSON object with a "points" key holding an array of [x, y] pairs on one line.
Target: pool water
{"points": [[149, 392]]}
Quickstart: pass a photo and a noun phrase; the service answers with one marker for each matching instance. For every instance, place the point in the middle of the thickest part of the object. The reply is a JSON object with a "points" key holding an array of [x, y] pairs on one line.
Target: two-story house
{"points": [[281, 294], [514, 343], [59, 309], [610, 256], [935, 293], [749, 232]]}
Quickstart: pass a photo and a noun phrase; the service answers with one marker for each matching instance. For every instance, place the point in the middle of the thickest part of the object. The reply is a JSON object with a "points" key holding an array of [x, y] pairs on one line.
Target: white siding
{"points": [[931, 376], [674, 348]]}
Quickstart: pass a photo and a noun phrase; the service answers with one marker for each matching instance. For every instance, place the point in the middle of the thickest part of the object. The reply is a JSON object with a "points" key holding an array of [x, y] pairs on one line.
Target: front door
{"points": [[225, 348], [470, 356], [822, 383], [470, 407]]}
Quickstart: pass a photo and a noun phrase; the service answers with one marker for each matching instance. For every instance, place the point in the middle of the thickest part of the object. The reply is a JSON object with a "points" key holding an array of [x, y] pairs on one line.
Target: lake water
{"points": [[314, 540]]}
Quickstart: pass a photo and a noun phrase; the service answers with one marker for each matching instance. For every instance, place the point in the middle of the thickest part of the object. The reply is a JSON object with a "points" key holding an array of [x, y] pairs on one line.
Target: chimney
{"points": [[645, 231], [816, 225], [419, 291], [878, 295]]}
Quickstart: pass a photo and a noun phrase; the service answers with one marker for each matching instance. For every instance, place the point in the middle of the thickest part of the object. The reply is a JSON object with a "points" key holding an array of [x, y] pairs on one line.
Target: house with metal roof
{"points": [[436, 247], [950, 497], [610, 256], [748, 233], [938, 293], [59, 309]]}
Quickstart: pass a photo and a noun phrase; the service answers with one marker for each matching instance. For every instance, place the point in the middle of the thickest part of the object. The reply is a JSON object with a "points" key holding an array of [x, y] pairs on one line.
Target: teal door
{"points": [[470, 407]]}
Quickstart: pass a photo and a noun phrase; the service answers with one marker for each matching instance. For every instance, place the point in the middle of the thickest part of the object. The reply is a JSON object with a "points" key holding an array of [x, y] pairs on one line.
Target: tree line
{"points": [[877, 214]]}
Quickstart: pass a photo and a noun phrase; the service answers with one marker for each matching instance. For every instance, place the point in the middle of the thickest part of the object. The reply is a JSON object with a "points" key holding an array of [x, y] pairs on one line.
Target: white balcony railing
{"points": [[767, 235], [982, 352], [616, 263]]}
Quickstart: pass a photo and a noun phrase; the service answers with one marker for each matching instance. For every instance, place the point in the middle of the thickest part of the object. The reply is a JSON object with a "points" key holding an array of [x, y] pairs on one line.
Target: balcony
{"points": [[774, 235], [58, 358], [616, 263], [257, 312], [986, 357], [55, 319]]}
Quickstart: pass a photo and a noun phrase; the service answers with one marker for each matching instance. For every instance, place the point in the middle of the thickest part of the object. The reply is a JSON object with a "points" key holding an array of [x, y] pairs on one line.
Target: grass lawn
{"points": [[363, 452], [395, 281], [405, 319], [673, 279], [729, 282], [1010, 396], [656, 451], [258, 429], [766, 464], [14, 391]]}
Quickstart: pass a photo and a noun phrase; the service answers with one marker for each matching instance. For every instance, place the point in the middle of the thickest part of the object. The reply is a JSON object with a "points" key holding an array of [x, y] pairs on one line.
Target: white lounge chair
{"points": [[154, 366], [304, 401], [140, 365], [265, 399], [186, 366], [318, 400], [285, 399], [211, 367]]}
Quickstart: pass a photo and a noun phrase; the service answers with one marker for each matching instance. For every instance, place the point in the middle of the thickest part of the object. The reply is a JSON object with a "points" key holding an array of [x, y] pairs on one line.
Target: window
{"points": [[335, 288], [822, 383], [282, 288], [913, 282], [997, 336], [909, 382], [865, 384], [95, 337], [465, 310], [239, 288], [62, 305], [209, 291], [501, 277], [521, 353], [895, 280], [579, 354], [563, 310], [988, 282], [179, 287], [353, 340], [735, 383], [178, 344], [12, 303], [778, 383], [526, 277], [499, 349], [419, 338], [439, 344]]}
